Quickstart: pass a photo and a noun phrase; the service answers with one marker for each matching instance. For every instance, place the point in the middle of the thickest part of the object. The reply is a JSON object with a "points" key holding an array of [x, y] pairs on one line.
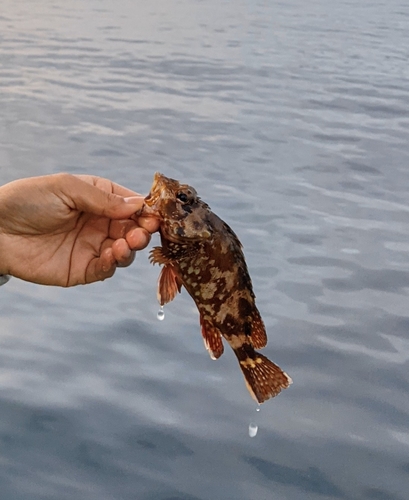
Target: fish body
{"points": [[202, 253]]}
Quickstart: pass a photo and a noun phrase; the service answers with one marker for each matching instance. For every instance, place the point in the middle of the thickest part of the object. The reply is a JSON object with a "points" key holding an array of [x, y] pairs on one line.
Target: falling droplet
{"points": [[161, 314], [253, 428]]}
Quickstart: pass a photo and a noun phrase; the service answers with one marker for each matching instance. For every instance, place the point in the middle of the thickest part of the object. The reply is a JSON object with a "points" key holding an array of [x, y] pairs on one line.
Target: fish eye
{"points": [[182, 197]]}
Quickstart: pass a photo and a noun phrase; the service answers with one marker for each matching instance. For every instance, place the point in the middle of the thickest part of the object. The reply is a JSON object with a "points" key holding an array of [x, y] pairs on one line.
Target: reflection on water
{"points": [[291, 120]]}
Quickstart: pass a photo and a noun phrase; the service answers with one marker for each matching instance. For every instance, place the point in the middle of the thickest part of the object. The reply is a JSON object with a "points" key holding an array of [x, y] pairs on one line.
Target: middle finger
{"points": [[119, 228]]}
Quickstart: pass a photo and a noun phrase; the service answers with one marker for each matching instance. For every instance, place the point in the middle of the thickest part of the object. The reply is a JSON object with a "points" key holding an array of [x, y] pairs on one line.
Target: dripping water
{"points": [[161, 314], [253, 427]]}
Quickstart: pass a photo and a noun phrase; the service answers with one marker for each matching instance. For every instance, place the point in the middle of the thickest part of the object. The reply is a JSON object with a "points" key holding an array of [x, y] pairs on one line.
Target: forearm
{"points": [[4, 268]]}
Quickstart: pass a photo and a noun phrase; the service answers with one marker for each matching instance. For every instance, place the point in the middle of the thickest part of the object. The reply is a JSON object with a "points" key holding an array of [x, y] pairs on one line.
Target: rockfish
{"points": [[202, 253]]}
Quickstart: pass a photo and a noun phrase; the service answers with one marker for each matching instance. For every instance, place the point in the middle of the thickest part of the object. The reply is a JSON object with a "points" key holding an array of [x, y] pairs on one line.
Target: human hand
{"points": [[68, 230]]}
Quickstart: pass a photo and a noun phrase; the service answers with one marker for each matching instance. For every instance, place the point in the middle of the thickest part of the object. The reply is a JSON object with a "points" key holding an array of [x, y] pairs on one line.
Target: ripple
{"points": [[291, 120]]}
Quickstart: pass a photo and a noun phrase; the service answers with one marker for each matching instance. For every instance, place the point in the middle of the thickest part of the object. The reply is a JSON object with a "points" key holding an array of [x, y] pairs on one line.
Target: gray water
{"points": [[292, 121]]}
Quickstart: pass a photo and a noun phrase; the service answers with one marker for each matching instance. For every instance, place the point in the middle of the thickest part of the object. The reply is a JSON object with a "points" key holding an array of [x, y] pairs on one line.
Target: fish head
{"points": [[183, 215]]}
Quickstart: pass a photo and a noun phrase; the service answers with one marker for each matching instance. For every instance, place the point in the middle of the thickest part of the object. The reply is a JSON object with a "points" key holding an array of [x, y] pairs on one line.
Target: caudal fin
{"points": [[263, 378]]}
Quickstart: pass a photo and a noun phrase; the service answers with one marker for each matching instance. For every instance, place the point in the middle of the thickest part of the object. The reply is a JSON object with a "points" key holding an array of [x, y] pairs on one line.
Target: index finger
{"points": [[108, 185]]}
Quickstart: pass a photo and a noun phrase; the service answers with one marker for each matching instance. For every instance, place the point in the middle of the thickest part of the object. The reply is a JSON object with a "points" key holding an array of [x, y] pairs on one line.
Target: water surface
{"points": [[292, 121]]}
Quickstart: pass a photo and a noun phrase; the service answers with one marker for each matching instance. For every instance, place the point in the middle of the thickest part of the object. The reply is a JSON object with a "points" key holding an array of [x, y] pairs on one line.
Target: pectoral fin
{"points": [[212, 339], [169, 284], [156, 256]]}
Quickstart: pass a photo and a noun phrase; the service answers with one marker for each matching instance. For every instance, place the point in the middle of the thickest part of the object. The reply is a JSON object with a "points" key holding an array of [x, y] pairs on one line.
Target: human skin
{"points": [[67, 230]]}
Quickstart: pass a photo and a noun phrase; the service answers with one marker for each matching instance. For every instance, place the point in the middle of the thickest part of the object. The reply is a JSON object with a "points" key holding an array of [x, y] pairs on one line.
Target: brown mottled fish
{"points": [[202, 253]]}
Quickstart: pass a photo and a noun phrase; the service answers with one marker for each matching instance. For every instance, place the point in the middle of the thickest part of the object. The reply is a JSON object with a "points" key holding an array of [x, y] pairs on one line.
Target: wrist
{"points": [[3, 261], [3, 217]]}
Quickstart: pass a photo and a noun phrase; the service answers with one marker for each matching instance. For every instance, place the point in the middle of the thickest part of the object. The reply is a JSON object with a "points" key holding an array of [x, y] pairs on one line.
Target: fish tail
{"points": [[263, 378]]}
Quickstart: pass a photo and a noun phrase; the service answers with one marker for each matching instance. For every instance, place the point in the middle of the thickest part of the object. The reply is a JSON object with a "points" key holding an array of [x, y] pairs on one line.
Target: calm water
{"points": [[292, 121]]}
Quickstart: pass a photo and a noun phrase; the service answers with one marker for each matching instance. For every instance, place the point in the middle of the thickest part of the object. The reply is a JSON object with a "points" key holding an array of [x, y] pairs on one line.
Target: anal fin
{"points": [[169, 285], [212, 339]]}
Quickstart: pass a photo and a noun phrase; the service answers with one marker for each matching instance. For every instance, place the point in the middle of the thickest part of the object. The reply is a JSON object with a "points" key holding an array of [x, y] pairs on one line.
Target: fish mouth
{"points": [[157, 179], [156, 189], [147, 211], [149, 208]]}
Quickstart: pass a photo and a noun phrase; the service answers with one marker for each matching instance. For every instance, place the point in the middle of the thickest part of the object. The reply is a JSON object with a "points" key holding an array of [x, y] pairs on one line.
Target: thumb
{"points": [[85, 197]]}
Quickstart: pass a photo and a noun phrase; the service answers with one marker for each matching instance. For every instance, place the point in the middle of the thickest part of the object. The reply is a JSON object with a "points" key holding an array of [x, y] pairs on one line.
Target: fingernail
{"points": [[134, 200]]}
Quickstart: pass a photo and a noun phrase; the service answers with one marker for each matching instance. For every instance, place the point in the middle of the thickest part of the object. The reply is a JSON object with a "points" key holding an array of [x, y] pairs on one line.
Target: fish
{"points": [[200, 252]]}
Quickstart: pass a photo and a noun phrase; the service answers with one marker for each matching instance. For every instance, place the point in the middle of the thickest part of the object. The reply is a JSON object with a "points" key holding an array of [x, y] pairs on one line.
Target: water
{"points": [[253, 429], [292, 121], [253, 426], [160, 314]]}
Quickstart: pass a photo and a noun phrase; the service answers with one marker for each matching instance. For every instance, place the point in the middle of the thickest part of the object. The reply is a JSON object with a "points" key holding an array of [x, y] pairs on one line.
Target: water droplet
{"points": [[161, 314], [253, 428]]}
